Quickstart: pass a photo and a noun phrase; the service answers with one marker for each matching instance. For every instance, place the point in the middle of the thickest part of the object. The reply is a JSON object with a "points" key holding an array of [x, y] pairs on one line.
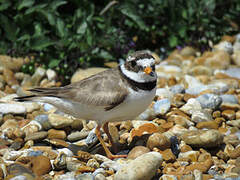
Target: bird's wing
{"points": [[103, 89]]}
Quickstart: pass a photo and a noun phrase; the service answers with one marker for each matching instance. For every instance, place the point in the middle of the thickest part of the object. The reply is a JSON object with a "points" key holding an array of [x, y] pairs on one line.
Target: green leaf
{"points": [[4, 5], [35, 8], [38, 30], [54, 63], [173, 41], [105, 55], [55, 4], [130, 12], [40, 43], [9, 28], [82, 28], [89, 38], [24, 37], [50, 18], [184, 14], [25, 3], [61, 27], [182, 31]]}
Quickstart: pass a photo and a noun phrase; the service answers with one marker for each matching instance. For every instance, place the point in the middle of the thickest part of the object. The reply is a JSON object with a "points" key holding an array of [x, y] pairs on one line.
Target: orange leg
{"points": [[106, 130], [107, 151]]}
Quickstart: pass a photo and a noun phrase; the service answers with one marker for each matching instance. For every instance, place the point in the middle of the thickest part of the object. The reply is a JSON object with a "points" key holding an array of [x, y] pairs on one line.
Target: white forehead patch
{"points": [[146, 62]]}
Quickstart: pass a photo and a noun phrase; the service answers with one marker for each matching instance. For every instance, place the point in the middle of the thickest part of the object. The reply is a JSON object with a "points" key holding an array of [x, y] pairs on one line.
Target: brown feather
{"points": [[103, 89]]}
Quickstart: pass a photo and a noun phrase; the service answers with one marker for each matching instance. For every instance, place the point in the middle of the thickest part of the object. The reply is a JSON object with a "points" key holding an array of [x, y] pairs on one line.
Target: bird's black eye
{"points": [[133, 63]]}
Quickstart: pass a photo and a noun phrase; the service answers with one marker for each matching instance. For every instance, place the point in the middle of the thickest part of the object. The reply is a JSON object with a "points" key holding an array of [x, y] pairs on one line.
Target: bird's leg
{"points": [[107, 151], [106, 130]]}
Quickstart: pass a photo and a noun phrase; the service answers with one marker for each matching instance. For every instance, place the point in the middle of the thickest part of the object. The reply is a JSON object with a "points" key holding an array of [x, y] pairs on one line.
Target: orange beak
{"points": [[148, 70]]}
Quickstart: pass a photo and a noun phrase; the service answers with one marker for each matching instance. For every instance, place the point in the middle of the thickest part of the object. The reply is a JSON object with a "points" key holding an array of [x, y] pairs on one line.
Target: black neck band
{"points": [[139, 85]]}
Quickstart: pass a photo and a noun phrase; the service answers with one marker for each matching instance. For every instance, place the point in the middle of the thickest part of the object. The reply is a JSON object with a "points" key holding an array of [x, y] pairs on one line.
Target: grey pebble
{"points": [[44, 121], [8, 108], [177, 89], [91, 138], [48, 107], [162, 106], [196, 89], [111, 164], [201, 116], [35, 153], [134, 170], [85, 176], [100, 177], [229, 98], [210, 101], [77, 135], [233, 72]]}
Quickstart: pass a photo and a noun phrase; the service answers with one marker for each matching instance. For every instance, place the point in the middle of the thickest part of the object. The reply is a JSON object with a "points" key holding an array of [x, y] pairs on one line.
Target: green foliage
{"points": [[65, 34]]}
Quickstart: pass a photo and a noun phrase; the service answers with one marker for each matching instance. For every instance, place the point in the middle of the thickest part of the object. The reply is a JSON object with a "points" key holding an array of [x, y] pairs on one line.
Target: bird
{"points": [[116, 94]]}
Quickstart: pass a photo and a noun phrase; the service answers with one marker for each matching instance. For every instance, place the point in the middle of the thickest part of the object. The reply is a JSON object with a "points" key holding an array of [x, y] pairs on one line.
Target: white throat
{"points": [[140, 77]]}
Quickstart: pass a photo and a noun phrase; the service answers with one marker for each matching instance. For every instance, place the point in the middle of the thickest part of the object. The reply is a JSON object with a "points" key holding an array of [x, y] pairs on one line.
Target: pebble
{"points": [[201, 70], [147, 114], [77, 135], [48, 107], [16, 169], [203, 138], [100, 177], [137, 151], [91, 138], [232, 72], [229, 114], [207, 125], [12, 62], [9, 77], [201, 116], [175, 147], [56, 134], [236, 57], [191, 106], [191, 155], [234, 123], [218, 60], [210, 101], [93, 163], [37, 136], [84, 73], [192, 124], [37, 76], [177, 89], [225, 46], [162, 106], [164, 93], [8, 108], [85, 177], [51, 74], [168, 177], [31, 106], [159, 141], [43, 120], [229, 98], [133, 170], [41, 165], [57, 121], [168, 156]]}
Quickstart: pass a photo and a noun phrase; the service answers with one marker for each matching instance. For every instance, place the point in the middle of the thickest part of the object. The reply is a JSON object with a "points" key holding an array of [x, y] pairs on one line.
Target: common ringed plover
{"points": [[117, 94]]}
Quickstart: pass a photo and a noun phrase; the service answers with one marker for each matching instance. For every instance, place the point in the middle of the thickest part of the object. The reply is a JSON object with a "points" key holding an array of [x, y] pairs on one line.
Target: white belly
{"points": [[133, 105]]}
